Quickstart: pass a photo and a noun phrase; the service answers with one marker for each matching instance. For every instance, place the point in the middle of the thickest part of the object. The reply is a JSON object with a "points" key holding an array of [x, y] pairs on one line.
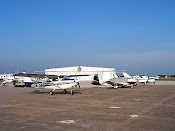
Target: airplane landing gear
{"points": [[78, 84], [51, 92], [65, 91], [71, 91]]}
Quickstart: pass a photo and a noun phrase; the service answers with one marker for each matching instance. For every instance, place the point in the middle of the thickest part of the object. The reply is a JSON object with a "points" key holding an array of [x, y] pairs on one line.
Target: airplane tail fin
{"points": [[27, 79], [96, 80], [114, 75], [126, 75]]}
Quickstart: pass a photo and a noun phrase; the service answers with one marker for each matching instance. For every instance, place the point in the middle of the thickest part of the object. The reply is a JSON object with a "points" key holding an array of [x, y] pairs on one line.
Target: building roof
{"points": [[80, 68]]}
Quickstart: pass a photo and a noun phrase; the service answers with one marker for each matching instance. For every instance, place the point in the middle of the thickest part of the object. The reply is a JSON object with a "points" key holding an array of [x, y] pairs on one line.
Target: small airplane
{"points": [[154, 77], [115, 81], [52, 82], [9, 78], [6, 76], [141, 79]]}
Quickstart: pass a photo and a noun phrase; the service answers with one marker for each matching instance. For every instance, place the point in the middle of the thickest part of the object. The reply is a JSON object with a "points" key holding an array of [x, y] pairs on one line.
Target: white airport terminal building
{"points": [[104, 73]]}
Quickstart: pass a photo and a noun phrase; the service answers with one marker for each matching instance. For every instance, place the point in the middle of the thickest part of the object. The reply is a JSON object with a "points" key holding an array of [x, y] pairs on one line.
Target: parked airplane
{"points": [[154, 77], [115, 81], [141, 79], [8, 78], [53, 82]]}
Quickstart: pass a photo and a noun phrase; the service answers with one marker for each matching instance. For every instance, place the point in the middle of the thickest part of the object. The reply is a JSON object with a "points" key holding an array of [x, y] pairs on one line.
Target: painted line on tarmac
{"points": [[114, 107], [137, 99], [134, 115], [67, 121]]}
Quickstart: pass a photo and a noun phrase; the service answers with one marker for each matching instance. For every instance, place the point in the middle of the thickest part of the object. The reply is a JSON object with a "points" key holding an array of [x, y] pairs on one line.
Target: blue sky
{"points": [[133, 35]]}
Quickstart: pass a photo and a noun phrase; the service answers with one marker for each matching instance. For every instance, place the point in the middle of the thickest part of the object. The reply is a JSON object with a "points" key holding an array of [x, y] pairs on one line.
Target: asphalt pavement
{"points": [[149, 107]]}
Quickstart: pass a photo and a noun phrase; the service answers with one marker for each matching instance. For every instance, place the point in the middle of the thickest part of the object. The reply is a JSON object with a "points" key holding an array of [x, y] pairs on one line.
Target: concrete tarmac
{"points": [[150, 107]]}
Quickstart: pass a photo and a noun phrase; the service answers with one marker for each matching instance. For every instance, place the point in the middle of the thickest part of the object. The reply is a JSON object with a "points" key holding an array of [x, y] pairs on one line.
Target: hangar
{"points": [[104, 73]]}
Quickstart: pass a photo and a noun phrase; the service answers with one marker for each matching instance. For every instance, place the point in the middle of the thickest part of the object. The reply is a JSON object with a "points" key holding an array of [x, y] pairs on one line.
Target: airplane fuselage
{"points": [[6, 76]]}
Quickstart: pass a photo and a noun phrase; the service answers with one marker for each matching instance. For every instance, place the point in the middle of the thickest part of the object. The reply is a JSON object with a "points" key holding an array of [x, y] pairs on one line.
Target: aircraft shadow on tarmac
{"points": [[104, 87], [56, 92]]}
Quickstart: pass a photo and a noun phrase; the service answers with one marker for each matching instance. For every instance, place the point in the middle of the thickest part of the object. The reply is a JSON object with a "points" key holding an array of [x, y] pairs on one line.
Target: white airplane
{"points": [[115, 81], [55, 86], [52, 82], [149, 80], [141, 79], [154, 77], [8, 78]]}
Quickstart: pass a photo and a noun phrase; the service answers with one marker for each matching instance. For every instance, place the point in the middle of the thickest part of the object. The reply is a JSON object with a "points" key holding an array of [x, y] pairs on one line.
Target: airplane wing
{"points": [[63, 76], [37, 75], [48, 76]]}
